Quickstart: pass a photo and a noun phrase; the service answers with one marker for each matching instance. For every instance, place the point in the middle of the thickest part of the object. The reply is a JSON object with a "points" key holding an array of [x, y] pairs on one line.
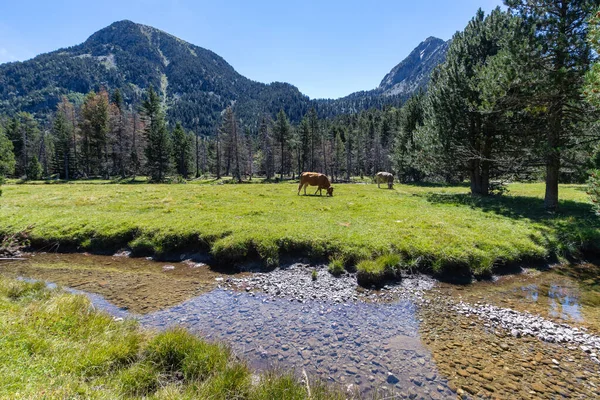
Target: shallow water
{"points": [[137, 284], [405, 348], [551, 294], [359, 344]]}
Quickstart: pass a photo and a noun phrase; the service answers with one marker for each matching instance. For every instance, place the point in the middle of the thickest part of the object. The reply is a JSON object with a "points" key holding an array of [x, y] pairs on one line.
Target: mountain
{"points": [[195, 83], [414, 71]]}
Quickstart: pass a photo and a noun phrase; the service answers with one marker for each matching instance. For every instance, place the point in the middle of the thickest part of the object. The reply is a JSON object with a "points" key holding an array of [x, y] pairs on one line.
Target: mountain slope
{"points": [[196, 84], [414, 71]]}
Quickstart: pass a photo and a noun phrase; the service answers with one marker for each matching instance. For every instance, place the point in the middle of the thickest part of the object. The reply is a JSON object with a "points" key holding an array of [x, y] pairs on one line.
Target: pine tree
{"points": [[467, 128], [34, 169], [182, 150], [338, 153], [313, 138], [24, 133], [266, 141], [282, 132], [119, 139], [560, 57], [62, 131], [94, 129], [306, 150], [7, 158], [230, 131], [158, 146]]}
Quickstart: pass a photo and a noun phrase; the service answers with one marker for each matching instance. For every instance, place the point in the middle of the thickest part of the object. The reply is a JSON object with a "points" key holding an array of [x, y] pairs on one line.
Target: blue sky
{"points": [[328, 49]]}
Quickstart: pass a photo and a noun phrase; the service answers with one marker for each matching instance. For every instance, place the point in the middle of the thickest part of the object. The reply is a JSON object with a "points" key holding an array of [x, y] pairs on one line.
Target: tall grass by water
{"points": [[54, 345], [437, 228]]}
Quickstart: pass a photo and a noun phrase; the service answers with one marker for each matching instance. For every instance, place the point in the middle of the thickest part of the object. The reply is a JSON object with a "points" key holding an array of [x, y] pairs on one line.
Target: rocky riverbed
{"points": [[526, 324], [296, 283]]}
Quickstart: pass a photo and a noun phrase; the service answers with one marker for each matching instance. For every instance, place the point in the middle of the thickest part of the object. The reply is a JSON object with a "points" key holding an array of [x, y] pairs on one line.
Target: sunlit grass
{"points": [[444, 227]]}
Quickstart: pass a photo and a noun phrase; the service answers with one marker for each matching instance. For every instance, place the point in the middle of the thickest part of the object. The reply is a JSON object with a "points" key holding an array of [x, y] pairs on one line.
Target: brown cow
{"points": [[315, 179], [385, 177]]}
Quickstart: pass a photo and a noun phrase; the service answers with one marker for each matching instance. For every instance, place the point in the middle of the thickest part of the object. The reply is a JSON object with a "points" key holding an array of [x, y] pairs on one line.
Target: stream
{"points": [[429, 344]]}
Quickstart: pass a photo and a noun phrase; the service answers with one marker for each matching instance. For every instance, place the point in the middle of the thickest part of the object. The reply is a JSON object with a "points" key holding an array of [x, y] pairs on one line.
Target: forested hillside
{"points": [[196, 85]]}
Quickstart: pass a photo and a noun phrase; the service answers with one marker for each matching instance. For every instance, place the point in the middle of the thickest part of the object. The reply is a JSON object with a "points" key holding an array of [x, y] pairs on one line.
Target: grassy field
{"points": [[55, 346], [431, 227]]}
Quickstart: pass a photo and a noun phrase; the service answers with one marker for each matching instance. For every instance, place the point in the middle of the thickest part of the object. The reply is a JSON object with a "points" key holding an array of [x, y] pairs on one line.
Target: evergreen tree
{"points": [[7, 158], [313, 138], [230, 131], [338, 153], [70, 113], [120, 142], [34, 169], [469, 136], [62, 131], [182, 150], [560, 57], [24, 133], [94, 131], [158, 147], [404, 154], [282, 132], [266, 140], [306, 151]]}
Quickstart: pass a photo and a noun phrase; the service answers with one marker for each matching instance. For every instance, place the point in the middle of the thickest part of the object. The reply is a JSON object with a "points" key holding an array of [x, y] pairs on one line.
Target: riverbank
{"points": [[56, 345], [436, 229], [419, 337]]}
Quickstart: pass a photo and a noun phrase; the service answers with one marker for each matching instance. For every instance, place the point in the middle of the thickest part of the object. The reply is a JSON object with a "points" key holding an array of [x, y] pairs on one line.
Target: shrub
{"points": [[336, 266], [314, 275]]}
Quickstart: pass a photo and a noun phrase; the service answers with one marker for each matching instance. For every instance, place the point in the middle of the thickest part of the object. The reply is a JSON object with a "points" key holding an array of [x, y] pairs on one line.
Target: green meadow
{"points": [[435, 228]]}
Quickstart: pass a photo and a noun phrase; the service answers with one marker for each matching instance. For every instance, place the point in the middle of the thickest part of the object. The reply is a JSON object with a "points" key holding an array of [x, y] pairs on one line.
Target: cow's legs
{"points": [[305, 185], [318, 188], [299, 187], [378, 187]]}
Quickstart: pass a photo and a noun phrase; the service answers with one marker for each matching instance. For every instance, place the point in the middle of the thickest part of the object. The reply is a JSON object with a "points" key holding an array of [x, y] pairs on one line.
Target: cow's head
{"points": [[330, 191], [390, 185]]}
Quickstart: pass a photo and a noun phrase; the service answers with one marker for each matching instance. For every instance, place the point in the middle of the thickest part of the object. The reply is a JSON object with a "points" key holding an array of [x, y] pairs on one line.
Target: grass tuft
{"points": [[336, 266], [377, 272]]}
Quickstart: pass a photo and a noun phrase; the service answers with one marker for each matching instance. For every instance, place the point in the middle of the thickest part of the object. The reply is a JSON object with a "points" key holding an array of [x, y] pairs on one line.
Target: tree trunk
{"points": [[552, 171], [197, 156]]}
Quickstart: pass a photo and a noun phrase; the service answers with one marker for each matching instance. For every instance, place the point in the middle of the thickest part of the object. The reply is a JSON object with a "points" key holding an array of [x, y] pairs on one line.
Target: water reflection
{"points": [[562, 301]]}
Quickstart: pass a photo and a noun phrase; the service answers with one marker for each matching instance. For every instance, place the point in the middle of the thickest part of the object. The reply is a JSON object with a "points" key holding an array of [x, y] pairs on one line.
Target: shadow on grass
{"points": [[436, 184], [573, 228], [518, 207]]}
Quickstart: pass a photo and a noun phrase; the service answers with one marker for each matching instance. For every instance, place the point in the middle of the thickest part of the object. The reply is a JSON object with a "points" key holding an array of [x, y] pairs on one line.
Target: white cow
{"points": [[384, 177]]}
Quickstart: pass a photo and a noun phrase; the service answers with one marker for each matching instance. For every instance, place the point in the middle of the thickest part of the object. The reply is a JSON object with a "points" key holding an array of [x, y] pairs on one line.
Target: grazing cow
{"points": [[315, 179], [384, 177]]}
